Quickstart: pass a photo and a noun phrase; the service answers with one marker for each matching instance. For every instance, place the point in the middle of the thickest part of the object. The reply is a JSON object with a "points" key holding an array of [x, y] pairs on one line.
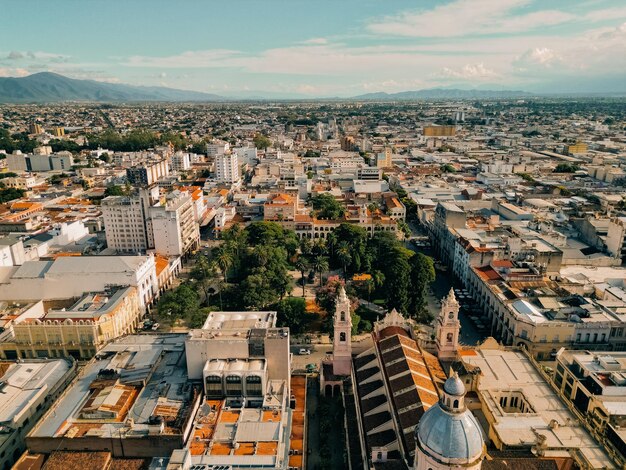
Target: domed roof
{"points": [[450, 436], [454, 386]]}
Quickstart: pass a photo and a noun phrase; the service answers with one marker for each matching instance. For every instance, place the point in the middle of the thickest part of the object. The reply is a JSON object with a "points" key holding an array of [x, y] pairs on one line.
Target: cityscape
{"points": [[256, 251]]}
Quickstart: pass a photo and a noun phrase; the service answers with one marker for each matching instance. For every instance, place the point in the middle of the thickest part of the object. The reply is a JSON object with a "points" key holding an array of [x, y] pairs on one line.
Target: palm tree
{"points": [[320, 265], [344, 257], [224, 259], [369, 286], [302, 266]]}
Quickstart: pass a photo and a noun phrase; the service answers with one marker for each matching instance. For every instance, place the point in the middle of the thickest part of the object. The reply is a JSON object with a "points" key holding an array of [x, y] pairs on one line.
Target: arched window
{"points": [[343, 316], [342, 337], [456, 404], [449, 337]]}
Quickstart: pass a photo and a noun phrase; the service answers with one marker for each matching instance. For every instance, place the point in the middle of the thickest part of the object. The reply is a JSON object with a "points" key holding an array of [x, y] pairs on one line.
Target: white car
{"points": [[304, 352], [155, 327]]}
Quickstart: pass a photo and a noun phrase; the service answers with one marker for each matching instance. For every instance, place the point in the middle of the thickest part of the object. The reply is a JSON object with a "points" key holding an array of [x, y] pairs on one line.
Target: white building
{"points": [[61, 161], [72, 276], [28, 388], [141, 222], [217, 148], [227, 168], [174, 226], [181, 161]]}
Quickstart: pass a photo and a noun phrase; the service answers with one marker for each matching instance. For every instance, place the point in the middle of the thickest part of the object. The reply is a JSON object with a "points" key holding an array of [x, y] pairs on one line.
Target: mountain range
{"points": [[444, 93], [48, 87]]}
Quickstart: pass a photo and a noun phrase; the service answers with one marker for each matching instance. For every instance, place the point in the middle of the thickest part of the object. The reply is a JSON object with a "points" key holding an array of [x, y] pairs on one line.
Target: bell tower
{"points": [[448, 327], [342, 340]]}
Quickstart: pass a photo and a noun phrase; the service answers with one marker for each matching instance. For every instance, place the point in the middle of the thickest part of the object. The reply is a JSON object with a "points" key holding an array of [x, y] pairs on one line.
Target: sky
{"points": [[321, 48]]}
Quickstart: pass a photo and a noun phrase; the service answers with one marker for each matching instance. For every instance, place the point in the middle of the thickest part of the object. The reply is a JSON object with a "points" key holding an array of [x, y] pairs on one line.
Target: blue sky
{"points": [[321, 47]]}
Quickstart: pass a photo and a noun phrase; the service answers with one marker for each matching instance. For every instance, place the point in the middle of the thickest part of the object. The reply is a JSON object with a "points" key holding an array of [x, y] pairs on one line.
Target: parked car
{"points": [[304, 352], [155, 327]]}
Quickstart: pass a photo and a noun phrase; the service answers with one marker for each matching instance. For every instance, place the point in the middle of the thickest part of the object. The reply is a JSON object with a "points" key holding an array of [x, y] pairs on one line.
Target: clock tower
{"points": [[448, 327]]}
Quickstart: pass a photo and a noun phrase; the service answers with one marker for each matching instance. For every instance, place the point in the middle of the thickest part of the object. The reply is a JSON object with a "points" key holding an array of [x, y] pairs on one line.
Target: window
{"points": [[254, 386], [233, 385], [343, 316], [342, 337], [213, 386]]}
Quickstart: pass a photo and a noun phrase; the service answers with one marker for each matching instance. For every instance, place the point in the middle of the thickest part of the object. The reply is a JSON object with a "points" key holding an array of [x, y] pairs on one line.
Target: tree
{"points": [[204, 272], [344, 257], [327, 207], [422, 275], [10, 194], [224, 259], [114, 190], [566, 168], [320, 266], [447, 168], [302, 266], [291, 312], [180, 302], [261, 141]]}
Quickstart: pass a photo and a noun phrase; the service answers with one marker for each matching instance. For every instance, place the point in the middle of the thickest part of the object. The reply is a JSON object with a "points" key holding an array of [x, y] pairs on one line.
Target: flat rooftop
{"points": [[250, 436], [239, 320], [25, 382], [507, 372], [133, 383]]}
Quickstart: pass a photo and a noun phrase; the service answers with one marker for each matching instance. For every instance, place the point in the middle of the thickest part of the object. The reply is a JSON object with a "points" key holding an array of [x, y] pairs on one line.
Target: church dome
{"points": [[450, 437], [448, 432]]}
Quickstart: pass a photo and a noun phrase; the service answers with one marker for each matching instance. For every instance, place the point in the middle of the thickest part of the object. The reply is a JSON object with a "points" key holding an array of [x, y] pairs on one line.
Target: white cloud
{"points": [[468, 17], [13, 72], [540, 55], [473, 72]]}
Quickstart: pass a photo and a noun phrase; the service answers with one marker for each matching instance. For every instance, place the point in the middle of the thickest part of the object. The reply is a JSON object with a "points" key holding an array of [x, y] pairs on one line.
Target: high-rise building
{"points": [[227, 168], [58, 131], [174, 227], [140, 222], [146, 174], [383, 159], [35, 128]]}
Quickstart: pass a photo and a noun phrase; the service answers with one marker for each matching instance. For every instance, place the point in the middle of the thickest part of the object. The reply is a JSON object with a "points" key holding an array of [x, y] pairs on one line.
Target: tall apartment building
{"points": [[35, 128], [148, 173], [174, 227], [217, 148], [141, 222], [125, 224], [181, 161], [383, 159], [227, 168]]}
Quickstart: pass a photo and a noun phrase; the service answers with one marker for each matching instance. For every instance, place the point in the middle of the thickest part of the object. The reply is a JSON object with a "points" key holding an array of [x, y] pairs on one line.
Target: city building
{"points": [[61, 161], [133, 400], [395, 382], [244, 363], [521, 411], [78, 330], [72, 276], [594, 383], [439, 131], [28, 387], [227, 167], [174, 227], [147, 173]]}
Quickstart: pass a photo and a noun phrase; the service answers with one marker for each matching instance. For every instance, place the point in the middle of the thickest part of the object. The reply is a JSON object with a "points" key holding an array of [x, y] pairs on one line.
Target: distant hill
{"points": [[444, 93], [47, 87]]}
